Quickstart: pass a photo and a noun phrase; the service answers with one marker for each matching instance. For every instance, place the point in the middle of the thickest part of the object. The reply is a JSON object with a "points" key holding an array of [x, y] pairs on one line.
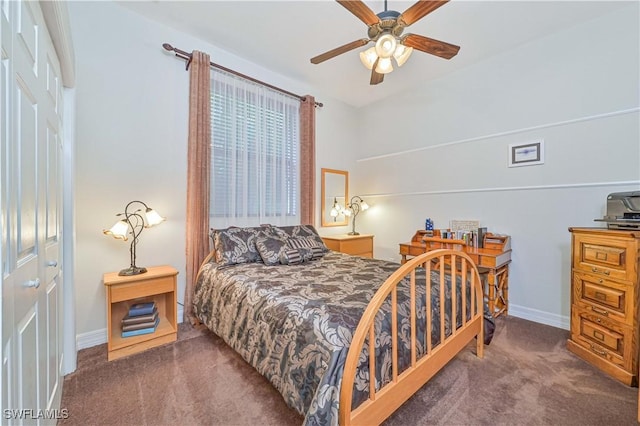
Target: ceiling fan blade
{"points": [[419, 10], [430, 45], [339, 50], [361, 11], [376, 77]]}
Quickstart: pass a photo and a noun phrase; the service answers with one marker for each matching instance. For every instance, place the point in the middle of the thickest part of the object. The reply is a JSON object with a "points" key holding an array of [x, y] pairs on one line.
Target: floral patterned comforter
{"points": [[294, 324]]}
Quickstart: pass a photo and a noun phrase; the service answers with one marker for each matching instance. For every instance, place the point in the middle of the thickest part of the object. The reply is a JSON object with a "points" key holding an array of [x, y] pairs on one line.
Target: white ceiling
{"points": [[284, 35]]}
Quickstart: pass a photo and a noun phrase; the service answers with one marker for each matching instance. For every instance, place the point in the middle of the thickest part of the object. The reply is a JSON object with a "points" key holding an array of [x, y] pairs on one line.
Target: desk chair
{"points": [[495, 293]]}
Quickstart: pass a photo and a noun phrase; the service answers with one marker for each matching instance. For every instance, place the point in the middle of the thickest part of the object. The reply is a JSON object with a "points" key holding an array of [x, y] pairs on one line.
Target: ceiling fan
{"points": [[385, 30]]}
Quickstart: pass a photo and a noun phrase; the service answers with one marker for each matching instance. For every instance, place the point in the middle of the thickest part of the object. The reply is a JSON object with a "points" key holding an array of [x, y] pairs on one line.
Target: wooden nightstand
{"points": [[357, 245], [158, 284]]}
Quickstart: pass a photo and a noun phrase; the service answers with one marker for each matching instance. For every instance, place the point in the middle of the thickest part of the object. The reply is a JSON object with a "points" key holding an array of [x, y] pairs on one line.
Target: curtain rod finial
{"points": [[168, 47]]}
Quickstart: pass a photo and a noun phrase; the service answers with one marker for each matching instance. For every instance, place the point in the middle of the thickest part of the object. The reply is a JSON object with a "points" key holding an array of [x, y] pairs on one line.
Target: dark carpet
{"points": [[527, 377]]}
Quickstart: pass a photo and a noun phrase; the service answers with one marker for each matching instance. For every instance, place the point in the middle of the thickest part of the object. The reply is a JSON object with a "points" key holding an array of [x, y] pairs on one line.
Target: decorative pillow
{"points": [[295, 256], [301, 231], [307, 242], [269, 248], [236, 245]]}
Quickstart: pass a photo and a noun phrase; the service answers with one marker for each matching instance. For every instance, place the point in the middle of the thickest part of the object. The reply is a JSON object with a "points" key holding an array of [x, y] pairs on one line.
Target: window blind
{"points": [[255, 153]]}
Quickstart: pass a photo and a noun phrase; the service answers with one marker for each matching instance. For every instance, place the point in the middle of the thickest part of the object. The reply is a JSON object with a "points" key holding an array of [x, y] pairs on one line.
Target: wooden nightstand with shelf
{"points": [[158, 284], [357, 245]]}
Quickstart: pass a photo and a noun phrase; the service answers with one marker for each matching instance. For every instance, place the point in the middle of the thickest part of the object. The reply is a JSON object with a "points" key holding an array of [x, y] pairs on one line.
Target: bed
{"points": [[304, 317]]}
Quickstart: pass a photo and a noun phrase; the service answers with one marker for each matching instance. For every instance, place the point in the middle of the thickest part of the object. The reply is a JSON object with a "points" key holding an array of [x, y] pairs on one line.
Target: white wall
{"points": [[132, 130], [443, 153], [132, 110]]}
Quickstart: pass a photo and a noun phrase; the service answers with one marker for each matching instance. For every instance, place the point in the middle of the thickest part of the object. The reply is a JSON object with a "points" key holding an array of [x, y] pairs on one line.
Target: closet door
{"points": [[6, 279], [30, 198]]}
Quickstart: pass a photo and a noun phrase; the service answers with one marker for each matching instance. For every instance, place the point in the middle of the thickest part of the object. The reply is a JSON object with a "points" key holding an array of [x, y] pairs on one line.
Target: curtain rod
{"points": [[187, 56]]}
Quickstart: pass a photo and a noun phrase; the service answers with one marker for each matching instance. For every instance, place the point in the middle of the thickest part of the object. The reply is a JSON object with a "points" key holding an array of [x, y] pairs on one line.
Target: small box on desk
{"points": [[497, 242]]}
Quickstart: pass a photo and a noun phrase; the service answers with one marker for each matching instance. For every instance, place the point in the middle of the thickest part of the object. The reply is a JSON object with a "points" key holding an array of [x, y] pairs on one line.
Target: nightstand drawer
{"points": [[612, 258], [357, 245], [142, 289], [604, 297]]}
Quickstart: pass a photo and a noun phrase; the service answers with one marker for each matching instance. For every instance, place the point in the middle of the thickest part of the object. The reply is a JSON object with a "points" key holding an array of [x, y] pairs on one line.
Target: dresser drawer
{"points": [[608, 257], [608, 298], [600, 335]]}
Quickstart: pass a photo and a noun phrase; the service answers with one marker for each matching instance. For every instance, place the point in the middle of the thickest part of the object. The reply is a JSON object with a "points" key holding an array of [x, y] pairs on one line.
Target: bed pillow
{"points": [[236, 245], [295, 256], [269, 247], [301, 231]]}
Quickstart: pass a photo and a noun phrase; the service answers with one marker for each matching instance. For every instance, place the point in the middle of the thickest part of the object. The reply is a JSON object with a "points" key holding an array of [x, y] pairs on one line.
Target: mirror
{"points": [[335, 193]]}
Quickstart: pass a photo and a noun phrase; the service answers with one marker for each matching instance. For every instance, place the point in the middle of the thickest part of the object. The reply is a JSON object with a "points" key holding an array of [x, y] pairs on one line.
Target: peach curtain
{"points": [[308, 160], [198, 174]]}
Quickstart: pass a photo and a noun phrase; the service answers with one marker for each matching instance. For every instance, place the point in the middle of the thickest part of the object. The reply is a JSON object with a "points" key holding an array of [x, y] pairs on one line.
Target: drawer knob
{"points": [[600, 281], [52, 263]]}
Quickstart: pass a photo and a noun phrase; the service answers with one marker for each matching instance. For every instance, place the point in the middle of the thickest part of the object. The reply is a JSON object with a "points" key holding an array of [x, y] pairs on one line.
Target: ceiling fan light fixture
{"points": [[402, 53], [385, 30], [369, 57], [384, 66], [386, 45]]}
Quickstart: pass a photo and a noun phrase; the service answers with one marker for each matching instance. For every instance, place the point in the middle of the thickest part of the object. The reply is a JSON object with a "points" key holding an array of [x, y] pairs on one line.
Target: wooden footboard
{"points": [[384, 401]]}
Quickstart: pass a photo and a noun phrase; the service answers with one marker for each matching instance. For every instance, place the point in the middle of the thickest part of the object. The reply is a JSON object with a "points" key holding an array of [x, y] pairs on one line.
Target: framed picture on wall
{"points": [[526, 154]]}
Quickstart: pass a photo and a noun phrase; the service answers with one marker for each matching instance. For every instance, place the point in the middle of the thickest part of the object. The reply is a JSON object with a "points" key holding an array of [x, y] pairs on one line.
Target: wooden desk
{"points": [[492, 261]]}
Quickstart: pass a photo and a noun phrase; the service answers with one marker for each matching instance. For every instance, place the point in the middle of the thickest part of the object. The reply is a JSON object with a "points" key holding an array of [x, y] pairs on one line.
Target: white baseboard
{"points": [[99, 337], [91, 338], [541, 317]]}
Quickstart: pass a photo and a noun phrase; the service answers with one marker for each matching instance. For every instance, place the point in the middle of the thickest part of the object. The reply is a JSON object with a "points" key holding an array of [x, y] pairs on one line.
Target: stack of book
{"points": [[141, 319]]}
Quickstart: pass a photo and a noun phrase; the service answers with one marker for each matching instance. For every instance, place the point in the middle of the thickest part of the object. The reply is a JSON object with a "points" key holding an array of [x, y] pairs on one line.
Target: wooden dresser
{"points": [[604, 300], [357, 245]]}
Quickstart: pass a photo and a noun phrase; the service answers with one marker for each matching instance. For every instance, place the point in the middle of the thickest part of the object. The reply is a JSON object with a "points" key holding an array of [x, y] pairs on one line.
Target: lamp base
{"points": [[353, 233], [133, 270]]}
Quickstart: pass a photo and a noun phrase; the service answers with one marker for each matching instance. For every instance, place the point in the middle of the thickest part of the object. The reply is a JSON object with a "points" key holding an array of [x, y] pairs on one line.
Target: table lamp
{"points": [[133, 223], [355, 205]]}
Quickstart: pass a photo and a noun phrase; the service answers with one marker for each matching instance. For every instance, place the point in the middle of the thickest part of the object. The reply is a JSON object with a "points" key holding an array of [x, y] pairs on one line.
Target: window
{"points": [[255, 167]]}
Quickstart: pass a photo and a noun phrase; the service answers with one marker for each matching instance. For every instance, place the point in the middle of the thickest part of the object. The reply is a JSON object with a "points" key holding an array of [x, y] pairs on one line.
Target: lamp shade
{"points": [[402, 53], [386, 45], [364, 205], [384, 66], [119, 230], [369, 57], [153, 218]]}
